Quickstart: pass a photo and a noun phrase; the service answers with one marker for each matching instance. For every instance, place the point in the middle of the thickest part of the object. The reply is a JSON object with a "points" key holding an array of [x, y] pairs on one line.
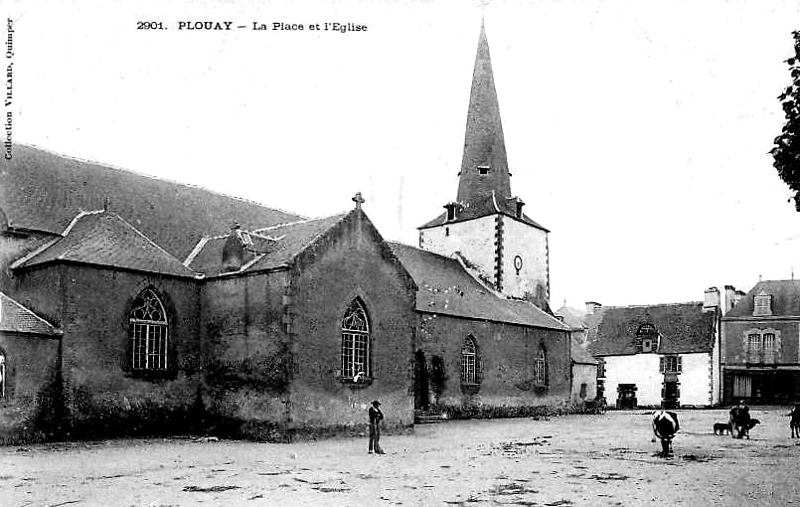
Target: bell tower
{"points": [[485, 226]]}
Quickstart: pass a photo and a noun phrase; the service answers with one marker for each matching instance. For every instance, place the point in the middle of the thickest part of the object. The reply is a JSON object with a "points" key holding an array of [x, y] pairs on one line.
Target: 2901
{"points": [[149, 25]]}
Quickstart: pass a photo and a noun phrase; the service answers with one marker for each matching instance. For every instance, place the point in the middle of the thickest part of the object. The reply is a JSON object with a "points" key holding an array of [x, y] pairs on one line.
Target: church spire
{"points": [[484, 167]]}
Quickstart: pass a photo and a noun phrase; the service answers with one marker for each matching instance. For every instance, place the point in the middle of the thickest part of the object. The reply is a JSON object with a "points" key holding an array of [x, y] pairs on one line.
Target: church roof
{"points": [[43, 191], [446, 288], [785, 299], [105, 239], [15, 318], [683, 328], [481, 208], [271, 247]]}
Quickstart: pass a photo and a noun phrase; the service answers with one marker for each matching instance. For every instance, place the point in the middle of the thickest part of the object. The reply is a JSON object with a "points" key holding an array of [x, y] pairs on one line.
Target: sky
{"points": [[637, 132]]}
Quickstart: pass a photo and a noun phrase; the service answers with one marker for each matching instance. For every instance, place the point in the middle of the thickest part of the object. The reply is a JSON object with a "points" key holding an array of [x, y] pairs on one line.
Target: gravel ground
{"points": [[587, 460]]}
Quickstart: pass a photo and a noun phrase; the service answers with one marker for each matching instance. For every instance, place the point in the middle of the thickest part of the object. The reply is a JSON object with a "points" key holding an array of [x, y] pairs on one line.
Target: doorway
{"points": [[671, 394], [626, 396], [421, 391]]}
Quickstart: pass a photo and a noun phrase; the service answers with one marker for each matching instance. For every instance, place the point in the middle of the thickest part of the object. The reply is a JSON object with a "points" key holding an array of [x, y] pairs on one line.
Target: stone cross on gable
{"points": [[358, 200]]}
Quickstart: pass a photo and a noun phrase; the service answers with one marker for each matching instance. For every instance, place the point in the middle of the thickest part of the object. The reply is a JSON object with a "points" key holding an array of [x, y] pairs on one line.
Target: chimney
{"points": [[233, 251], [730, 297], [737, 296], [591, 307], [711, 299], [520, 204]]}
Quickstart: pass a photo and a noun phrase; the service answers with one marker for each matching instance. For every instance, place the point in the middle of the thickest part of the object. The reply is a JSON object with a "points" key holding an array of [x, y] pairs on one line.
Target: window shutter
{"points": [[661, 364], [680, 364]]}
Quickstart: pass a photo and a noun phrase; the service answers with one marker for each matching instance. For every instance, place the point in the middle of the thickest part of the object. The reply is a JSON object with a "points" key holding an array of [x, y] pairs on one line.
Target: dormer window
{"points": [[451, 210], [646, 338], [483, 170], [762, 304], [520, 204]]}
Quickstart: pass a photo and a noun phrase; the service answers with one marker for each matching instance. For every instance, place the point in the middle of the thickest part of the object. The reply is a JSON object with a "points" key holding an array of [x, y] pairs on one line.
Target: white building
{"points": [[656, 355]]}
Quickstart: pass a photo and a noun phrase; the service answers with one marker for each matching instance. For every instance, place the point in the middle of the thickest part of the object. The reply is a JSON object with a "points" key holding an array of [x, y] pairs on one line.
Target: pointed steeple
{"points": [[484, 167]]}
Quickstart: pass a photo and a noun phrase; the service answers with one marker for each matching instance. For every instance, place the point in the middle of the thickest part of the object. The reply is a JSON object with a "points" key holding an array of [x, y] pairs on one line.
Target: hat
{"points": [[376, 402]]}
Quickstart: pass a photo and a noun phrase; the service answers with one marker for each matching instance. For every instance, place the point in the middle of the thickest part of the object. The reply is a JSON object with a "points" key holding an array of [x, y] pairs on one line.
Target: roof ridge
{"points": [[140, 233], [605, 307], [29, 311], [447, 257], [297, 222], [30, 255], [196, 251], [81, 214], [158, 178]]}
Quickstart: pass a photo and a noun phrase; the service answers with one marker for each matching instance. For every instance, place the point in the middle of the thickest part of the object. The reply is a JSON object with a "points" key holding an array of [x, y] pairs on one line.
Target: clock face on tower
{"points": [[517, 263]]}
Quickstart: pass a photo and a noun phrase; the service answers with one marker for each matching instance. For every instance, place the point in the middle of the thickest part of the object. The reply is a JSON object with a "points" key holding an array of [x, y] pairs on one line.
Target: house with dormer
{"points": [[658, 355], [761, 345]]}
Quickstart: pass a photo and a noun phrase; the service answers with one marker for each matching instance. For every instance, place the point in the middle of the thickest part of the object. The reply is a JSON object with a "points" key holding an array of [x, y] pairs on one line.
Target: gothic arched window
{"points": [[356, 342], [2, 375], [540, 367], [148, 333], [469, 361]]}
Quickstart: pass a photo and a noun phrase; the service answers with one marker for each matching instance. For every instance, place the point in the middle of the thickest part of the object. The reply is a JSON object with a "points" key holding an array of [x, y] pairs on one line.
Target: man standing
{"points": [[375, 417], [740, 420]]}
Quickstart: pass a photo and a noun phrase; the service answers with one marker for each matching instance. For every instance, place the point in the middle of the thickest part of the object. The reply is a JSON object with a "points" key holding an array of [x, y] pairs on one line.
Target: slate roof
{"points": [[43, 191], [482, 208], [579, 354], [573, 317], [683, 327], [105, 239], [785, 299], [446, 288], [15, 318], [272, 247]]}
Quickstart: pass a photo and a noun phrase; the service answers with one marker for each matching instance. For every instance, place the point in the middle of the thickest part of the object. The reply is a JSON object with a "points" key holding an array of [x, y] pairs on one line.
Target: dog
{"points": [[721, 428], [744, 430]]}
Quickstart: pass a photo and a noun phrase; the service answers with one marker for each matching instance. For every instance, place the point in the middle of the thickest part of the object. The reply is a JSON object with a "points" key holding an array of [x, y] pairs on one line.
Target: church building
{"points": [[133, 305]]}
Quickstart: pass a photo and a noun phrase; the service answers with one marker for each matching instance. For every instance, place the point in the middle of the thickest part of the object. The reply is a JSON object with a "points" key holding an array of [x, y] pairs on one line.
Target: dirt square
{"points": [[586, 460]]}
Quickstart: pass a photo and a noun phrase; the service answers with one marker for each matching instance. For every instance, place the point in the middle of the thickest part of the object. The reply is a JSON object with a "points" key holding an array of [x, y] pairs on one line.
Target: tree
{"points": [[786, 153]]}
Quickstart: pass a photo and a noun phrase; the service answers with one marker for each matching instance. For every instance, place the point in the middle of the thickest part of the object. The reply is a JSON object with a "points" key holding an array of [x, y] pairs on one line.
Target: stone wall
{"points": [[102, 396], [506, 354]]}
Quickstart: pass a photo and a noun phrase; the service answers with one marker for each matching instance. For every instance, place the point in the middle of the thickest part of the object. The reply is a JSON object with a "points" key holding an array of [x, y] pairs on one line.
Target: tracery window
{"points": [[356, 342], [148, 331], [469, 361]]}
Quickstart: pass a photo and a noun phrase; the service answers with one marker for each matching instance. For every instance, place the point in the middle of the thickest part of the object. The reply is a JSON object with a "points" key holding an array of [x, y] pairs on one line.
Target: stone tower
{"points": [[485, 225]]}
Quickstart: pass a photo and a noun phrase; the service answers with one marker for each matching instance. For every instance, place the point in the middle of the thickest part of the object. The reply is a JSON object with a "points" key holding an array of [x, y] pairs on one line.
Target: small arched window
{"points": [[148, 333], [540, 367], [356, 342], [469, 361]]}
